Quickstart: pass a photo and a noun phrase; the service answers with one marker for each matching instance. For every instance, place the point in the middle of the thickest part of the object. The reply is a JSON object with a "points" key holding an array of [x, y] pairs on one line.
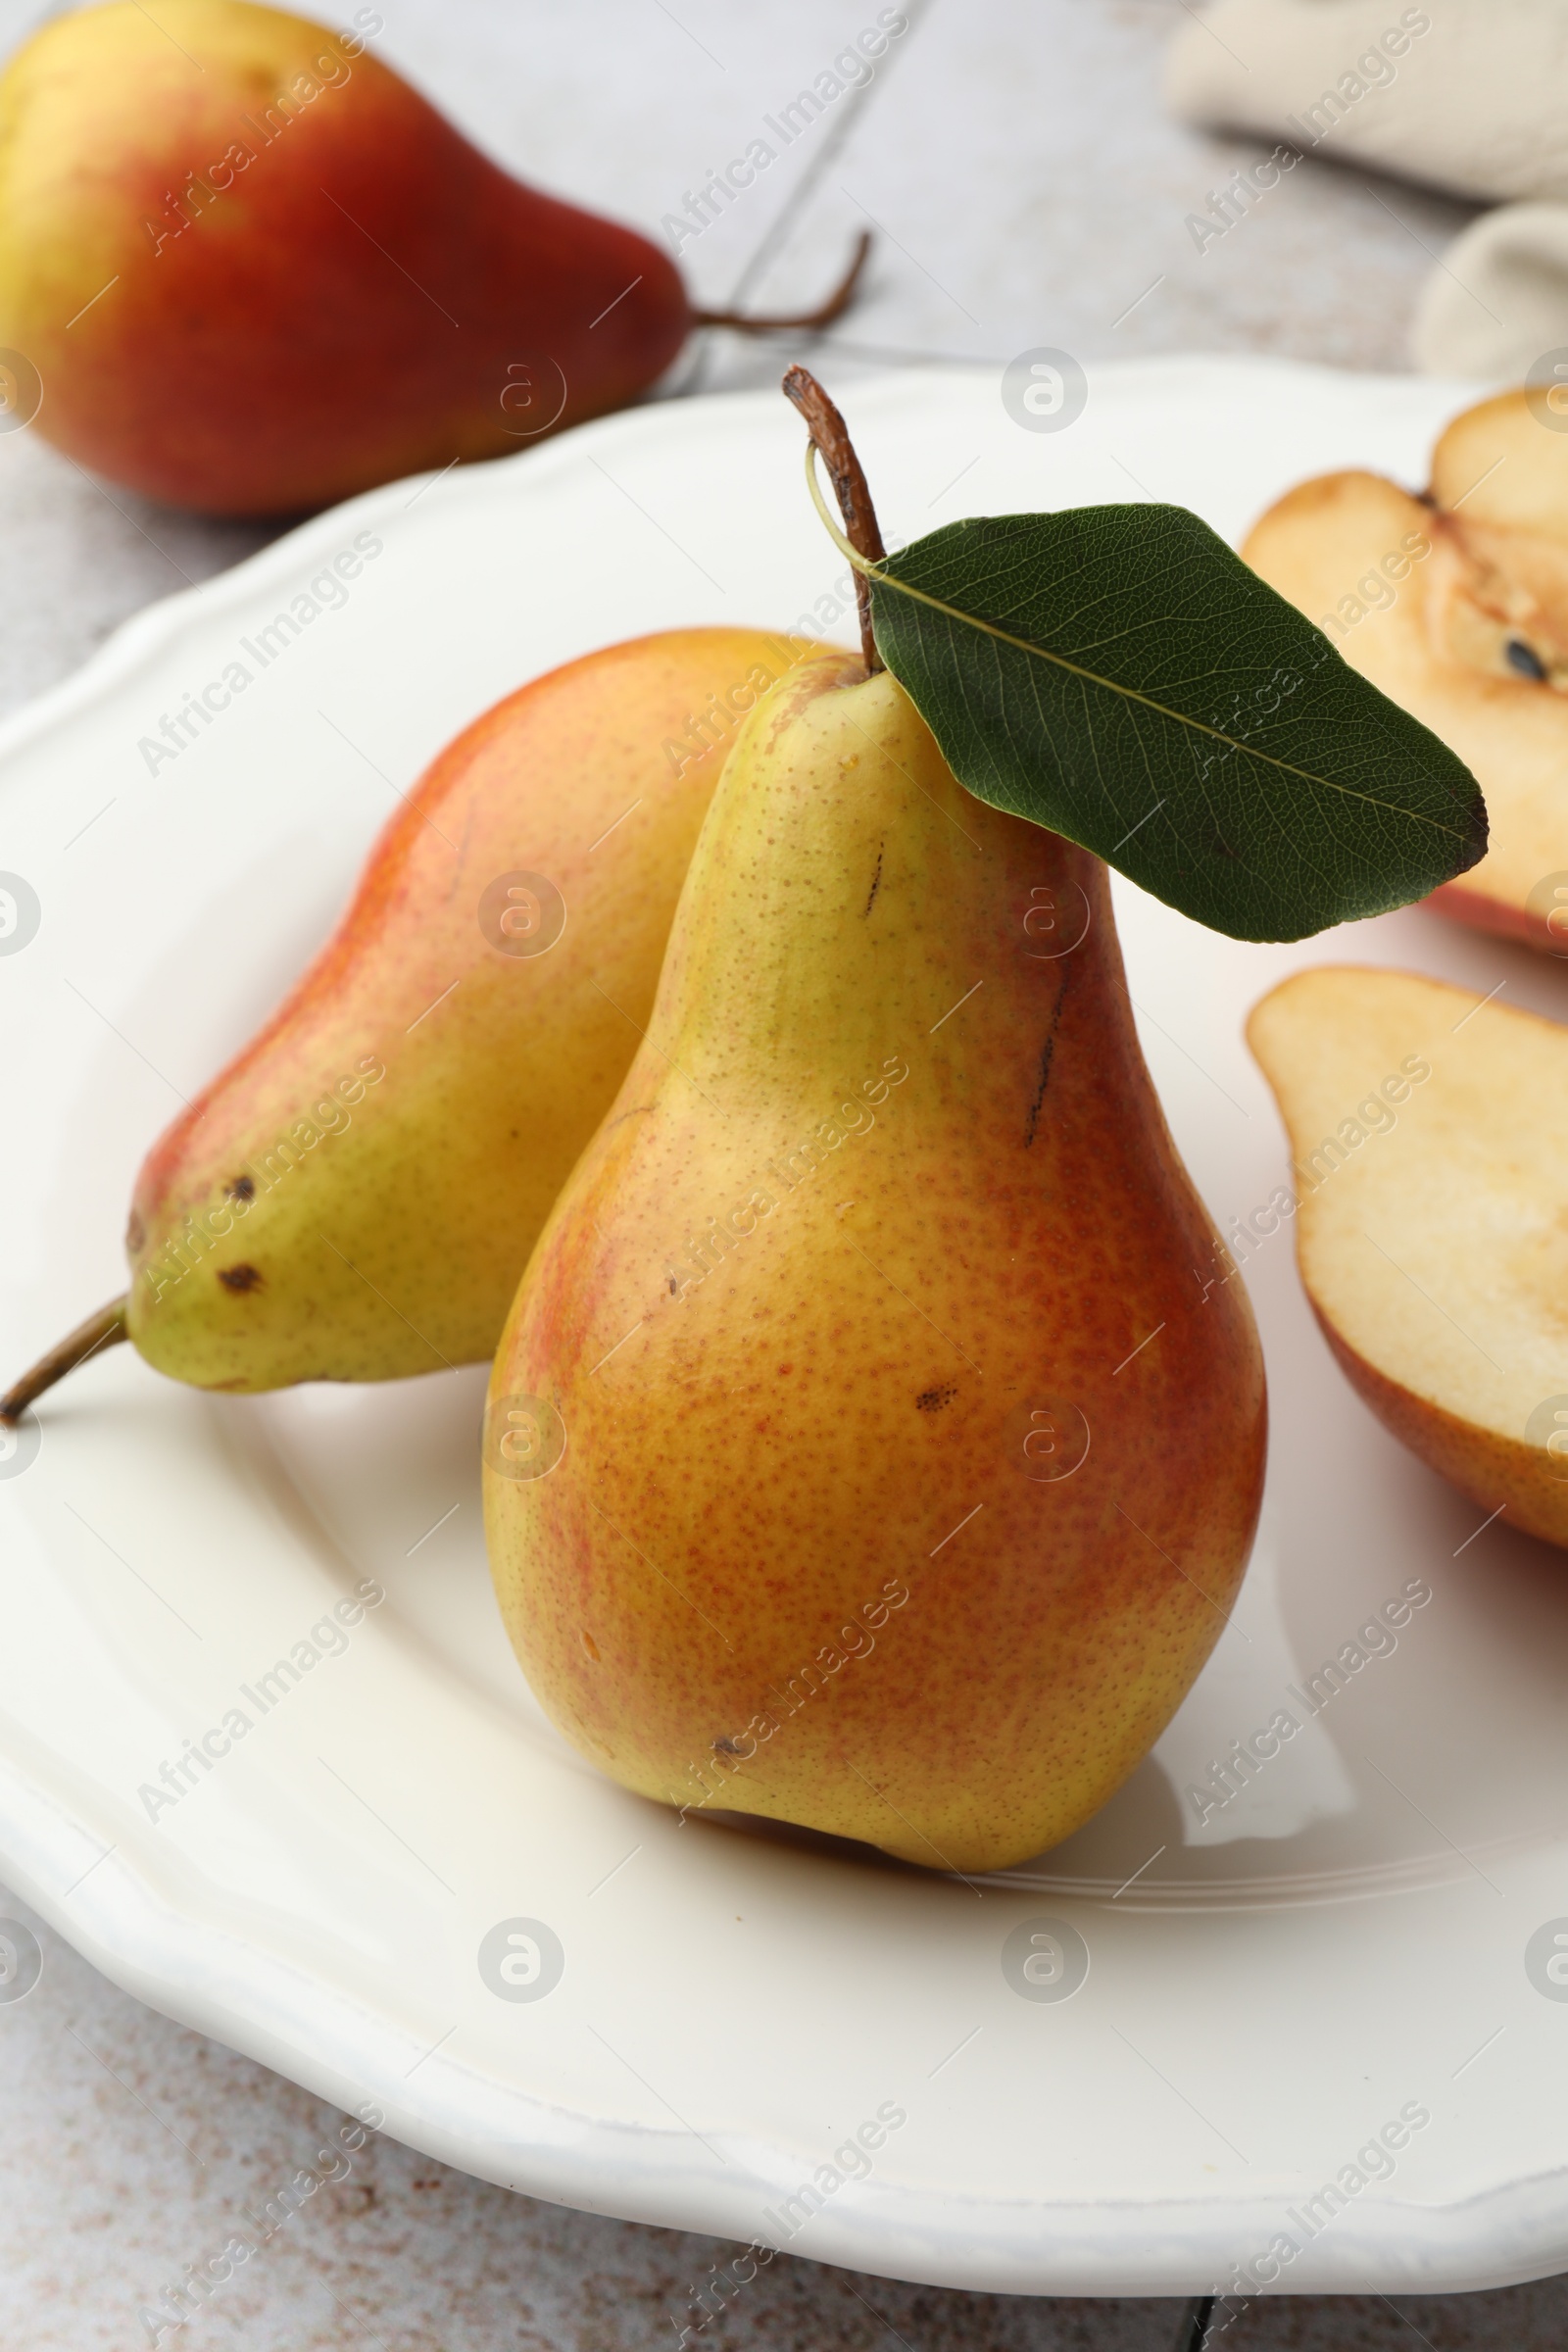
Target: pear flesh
{"points": [[1430, 1137], [859, 1450], [356, 1194], [1456, 607]]}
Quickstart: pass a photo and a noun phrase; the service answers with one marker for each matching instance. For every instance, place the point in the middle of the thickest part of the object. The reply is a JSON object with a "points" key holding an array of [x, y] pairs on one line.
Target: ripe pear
{"points": [[251, 271], [1430, 1137], [1457, 605], [858, 1452], [355, 1196]]}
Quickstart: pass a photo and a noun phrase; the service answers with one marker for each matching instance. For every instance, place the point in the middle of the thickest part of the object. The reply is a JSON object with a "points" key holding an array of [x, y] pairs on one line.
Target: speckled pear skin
{"points": [[784, 1554], [308, 1219]]}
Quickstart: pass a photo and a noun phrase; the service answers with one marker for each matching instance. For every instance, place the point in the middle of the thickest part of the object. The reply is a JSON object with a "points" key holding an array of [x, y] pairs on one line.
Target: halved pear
{"points": [[1457, 605], [1505, 462], [1430, 1139]]}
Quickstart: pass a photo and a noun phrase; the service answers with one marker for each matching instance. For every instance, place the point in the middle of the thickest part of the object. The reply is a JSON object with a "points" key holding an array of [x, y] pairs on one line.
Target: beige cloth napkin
{"points": [[1466, 95]]}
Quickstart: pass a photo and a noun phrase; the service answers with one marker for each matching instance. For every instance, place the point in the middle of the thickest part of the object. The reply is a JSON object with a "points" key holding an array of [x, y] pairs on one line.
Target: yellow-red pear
{"points": [[356, 1194], [861, 1450]]}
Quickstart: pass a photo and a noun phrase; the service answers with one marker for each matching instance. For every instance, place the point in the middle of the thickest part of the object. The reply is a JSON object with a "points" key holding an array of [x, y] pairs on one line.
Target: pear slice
{"points": [[1456, 607], [1430, 1142], [1505, 462]]}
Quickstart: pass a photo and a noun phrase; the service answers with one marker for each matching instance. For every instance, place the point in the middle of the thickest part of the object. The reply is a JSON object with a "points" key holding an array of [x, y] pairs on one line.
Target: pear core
{"points": [[1456, 604]]}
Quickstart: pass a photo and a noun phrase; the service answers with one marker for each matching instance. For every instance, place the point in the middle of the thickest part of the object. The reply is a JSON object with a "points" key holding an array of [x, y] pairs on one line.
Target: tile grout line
{"points": [[775, 237]]}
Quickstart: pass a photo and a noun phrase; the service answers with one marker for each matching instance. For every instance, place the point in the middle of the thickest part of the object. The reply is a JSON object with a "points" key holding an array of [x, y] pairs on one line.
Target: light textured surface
{"points": [[1029, 192]]}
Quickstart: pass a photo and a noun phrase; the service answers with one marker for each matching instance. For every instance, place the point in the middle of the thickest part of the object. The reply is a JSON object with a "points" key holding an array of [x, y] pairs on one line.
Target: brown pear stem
{"points": [[746, 323], [105, 1329], [831, 438]]}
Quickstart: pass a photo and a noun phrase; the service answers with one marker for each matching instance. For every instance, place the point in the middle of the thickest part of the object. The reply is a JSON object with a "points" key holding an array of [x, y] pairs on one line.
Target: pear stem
{"points": [[745, 323], [105, 1329], [830, 437]]}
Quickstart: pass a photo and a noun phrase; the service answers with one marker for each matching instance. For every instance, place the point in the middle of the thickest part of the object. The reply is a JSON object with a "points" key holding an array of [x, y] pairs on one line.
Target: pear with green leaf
{"points": [[905, 1484], [860, 1452]]}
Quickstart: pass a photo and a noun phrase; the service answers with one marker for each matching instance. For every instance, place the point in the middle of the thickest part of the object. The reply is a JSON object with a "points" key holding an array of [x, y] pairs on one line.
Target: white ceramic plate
{"points": [[1266, 1990]]}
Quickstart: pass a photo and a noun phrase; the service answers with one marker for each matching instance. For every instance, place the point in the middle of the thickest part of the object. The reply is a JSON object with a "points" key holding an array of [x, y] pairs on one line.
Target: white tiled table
{"points": [[1028, 191]]}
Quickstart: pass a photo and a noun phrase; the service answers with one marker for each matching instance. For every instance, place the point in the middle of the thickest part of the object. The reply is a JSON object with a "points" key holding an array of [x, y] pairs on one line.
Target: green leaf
{"points": [[1118, 674]]}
